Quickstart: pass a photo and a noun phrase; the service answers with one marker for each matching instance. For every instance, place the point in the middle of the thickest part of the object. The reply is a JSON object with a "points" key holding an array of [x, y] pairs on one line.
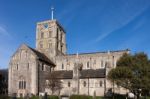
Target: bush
{"points": [[48, 97], [35, 97], [118, 96], [53, 97], [81, 97], [4, 97]]}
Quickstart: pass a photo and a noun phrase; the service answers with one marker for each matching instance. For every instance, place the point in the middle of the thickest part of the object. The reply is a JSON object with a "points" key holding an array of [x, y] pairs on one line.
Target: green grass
{"points": [[84, 97], [75, 97]]}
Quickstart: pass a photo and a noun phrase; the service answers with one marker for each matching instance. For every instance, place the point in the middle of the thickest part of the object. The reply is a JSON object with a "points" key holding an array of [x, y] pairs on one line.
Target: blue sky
{"points": [[91, 25]]}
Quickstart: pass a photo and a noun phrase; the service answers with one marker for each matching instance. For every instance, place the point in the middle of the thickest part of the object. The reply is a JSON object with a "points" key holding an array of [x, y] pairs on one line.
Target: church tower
{"points": [[50, 38]]}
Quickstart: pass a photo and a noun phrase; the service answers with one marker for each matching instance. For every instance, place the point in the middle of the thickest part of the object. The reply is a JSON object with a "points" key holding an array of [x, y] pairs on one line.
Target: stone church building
{"points": [[83, 73]]}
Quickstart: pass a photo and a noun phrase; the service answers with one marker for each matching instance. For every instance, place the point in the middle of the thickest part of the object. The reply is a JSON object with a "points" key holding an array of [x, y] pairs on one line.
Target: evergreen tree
{"points": [[133, 73]]}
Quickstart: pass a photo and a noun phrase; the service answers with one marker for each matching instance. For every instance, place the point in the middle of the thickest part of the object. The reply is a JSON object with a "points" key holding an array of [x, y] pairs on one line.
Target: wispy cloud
{"points": [[6, 46], [3, 31], [106, 33]]}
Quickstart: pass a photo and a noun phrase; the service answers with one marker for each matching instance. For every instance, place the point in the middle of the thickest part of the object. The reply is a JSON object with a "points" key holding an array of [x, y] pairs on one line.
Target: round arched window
{"points": [[69, 84], [100, 83], [84, 83]]}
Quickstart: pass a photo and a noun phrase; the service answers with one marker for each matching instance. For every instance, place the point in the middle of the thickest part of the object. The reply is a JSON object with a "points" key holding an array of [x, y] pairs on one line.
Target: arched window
{"points": [[42, 67], [17, 67], [102, 63], [22, 84], [50, 33], [113, 61], [42, 35], [62, 66], [84, 83], [28, 66], [88, 65], [94, 61], [49, 45], [69, 84], [41, 44], [61, 48], [101, 83]]}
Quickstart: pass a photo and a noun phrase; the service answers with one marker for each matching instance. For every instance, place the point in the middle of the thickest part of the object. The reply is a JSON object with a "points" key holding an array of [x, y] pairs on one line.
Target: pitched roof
{"points": [[89, 73], [126, 50], [63, 74], [41, 56], [36, 53]]}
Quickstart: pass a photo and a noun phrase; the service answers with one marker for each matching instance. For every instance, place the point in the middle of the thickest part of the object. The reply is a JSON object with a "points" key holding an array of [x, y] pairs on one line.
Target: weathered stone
{"points": [[28, 67]]}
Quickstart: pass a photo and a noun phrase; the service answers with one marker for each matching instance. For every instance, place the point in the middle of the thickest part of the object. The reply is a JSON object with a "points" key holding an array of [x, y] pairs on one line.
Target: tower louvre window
{"points": [[61, 37], [61, 48], [41, 44], [46, 25], [50, 45], [50, 33], [42, 35]]}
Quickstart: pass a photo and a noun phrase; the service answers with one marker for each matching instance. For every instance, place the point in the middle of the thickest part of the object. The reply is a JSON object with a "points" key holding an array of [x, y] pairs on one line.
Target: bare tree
{"points": [[53, 82]]}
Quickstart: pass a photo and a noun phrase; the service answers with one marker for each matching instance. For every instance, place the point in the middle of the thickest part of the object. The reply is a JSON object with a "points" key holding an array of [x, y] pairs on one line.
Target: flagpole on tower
{"points": [[52, 13]]}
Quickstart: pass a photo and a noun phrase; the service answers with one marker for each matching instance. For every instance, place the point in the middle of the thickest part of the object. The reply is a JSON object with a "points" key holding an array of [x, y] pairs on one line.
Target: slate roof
{"points": [[89, 73], [41, 56], [63, 74], [126, 50]]}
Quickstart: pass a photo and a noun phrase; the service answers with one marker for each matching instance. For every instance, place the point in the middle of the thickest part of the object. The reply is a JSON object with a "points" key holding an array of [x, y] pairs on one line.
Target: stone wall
{"points": [[89, 60], [22, 68]]}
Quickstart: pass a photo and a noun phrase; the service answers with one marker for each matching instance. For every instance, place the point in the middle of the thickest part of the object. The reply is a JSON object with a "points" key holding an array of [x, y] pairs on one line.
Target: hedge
{"points": [[53, 97], [5, 97]]}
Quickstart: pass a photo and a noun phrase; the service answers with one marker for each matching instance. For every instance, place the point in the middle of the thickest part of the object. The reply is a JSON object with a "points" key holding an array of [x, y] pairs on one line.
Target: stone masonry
{"points": [[28, 67]]}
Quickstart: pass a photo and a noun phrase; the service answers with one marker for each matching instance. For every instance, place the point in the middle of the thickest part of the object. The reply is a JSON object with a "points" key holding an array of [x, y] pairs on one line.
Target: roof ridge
{"points": [[101, 52]]}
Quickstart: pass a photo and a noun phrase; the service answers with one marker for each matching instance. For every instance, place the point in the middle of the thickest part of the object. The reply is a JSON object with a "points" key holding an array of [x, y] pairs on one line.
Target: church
{"points": [[83, 73]]}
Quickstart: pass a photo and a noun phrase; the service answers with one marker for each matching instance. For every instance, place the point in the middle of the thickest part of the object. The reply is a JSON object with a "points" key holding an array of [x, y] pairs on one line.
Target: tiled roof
{"points": [[89, 73]]}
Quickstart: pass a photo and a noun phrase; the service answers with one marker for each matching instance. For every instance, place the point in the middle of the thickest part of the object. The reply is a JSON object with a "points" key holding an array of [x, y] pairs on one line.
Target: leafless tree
{"points": [[53, 82]]}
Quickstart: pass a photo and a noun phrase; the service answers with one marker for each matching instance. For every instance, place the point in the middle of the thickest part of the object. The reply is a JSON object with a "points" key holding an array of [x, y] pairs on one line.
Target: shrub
{"points": [[4, 97], [118, 96], [53, 97], [34, 97], [80, 97]]}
